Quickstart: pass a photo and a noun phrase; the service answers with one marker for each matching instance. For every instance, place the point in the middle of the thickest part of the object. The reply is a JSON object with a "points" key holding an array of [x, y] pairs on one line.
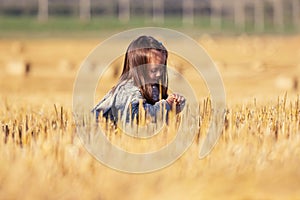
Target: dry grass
{"points": [[256, 157]]}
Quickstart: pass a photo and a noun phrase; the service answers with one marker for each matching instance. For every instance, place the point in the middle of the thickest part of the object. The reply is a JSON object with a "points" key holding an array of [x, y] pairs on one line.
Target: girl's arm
{"points": [[130, 95], [161, 107]]}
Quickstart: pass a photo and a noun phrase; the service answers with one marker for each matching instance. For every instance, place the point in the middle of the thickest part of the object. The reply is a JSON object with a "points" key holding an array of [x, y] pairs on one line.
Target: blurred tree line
{"points": [[279, 13]]}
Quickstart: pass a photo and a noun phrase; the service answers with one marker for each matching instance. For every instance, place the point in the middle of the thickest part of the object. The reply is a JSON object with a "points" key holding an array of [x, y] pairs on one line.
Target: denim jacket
{"points": [[125, 96]]}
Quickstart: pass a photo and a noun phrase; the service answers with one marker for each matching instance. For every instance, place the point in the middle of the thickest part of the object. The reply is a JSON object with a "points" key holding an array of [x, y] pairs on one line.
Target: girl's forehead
{"points": [[157, 57]]}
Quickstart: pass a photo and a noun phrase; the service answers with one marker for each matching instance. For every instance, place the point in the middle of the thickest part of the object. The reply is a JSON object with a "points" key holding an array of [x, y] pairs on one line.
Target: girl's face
{"points": [[154, 70]]}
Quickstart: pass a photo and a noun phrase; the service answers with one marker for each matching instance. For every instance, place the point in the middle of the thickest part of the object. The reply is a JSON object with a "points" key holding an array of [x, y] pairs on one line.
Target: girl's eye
{"points": [[155, 70]]}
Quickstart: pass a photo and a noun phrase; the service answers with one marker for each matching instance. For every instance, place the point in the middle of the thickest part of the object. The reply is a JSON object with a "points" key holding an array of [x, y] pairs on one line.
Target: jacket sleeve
{"points": [[104, 105]]}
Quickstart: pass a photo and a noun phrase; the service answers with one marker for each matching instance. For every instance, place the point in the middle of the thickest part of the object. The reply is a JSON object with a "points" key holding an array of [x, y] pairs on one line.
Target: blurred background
{"points": [[251, 41], [255, 45], [40, 37]]}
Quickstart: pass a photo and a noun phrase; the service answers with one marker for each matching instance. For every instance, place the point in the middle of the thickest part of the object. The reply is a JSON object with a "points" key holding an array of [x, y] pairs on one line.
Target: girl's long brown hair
{"points": [[137, 57]]}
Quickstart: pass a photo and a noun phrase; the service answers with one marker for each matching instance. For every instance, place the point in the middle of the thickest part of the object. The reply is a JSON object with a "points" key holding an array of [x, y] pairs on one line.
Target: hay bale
{"points": [[18, 68], [17, 48], [296, 83], [178, 64], [243, 45], [65, 65], [220, 65], [112, 71], [286, 83], [207, 40], [258, 66]]}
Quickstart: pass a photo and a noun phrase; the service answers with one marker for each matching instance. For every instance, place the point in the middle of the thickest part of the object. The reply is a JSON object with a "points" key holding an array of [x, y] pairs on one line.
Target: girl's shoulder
{"points": [[127, 90]]}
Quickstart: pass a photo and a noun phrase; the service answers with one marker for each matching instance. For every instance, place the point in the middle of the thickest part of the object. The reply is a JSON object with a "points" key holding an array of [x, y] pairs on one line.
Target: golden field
{"points": [[257, 157]]}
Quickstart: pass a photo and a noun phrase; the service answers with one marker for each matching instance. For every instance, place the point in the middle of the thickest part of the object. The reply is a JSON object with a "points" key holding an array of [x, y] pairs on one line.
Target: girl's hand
{"points": [[179, 99], [170, 99]]}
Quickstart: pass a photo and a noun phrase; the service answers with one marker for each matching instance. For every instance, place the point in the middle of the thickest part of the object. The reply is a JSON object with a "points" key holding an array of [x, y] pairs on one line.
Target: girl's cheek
{"points": [[153, 75]]}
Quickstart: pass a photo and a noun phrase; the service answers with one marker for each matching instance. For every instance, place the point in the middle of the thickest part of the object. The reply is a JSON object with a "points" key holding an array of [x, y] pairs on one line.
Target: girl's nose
{"points": [[158, 74]]}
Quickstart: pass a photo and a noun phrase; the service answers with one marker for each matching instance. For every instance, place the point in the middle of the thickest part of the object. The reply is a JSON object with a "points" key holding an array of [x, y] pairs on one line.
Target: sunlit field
{"points": [[256, 157]]}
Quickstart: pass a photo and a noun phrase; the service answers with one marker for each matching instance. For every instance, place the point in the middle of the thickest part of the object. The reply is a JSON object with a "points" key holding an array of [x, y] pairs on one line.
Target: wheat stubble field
{"points": [[257, 157]]}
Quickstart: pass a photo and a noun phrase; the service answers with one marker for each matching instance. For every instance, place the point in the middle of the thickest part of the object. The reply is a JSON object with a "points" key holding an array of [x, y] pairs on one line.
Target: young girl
{"points": [[144, 80]]}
